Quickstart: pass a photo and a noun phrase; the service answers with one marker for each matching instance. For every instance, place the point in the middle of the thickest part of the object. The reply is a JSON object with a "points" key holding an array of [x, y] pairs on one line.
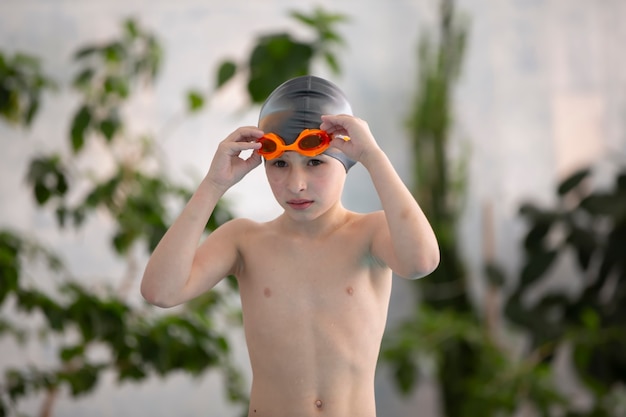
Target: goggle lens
{"points": [[310, 142], [267, 146]]}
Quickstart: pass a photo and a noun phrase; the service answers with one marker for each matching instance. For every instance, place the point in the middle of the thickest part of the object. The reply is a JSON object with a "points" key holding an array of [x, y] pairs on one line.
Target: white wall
{"points": [[541, 93]]}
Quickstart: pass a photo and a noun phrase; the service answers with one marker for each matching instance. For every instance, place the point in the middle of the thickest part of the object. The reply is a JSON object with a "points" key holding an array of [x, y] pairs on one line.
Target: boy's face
{"points": [[305, 187]]}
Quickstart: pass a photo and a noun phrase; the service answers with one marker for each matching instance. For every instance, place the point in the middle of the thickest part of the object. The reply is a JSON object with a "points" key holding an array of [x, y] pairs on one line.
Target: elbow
{"points": [[156, 301], [424, 265], [429, 266], [152, 296]]}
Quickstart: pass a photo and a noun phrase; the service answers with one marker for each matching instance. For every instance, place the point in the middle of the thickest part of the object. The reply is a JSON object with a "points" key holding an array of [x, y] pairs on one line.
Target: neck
{"points": [[321, 226]]}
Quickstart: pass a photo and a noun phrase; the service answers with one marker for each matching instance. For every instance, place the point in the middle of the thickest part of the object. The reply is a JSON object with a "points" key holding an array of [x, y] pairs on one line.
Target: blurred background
{"points": [[507, 120]]}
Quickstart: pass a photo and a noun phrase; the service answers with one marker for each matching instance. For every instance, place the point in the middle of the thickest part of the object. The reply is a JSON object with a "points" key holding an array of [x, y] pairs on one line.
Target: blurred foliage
{"points": [[138, 342], [21, 85], [438, 186], [278, 57], [495, 382], [138, 196], [495, 371], [588, 228]]}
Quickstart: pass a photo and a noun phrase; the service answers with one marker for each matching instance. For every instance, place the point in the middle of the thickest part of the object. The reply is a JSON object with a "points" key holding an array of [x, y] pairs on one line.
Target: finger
{"points": [[235, 148], [245, 134], [254, 160], [334, 123]]}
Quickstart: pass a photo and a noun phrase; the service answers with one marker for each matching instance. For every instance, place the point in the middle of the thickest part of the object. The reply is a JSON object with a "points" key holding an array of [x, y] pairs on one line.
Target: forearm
{"points": [[412, 238], [170, 264]]}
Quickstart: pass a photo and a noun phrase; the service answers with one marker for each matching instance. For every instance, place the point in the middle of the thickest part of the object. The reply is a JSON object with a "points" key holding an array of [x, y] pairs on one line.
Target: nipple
{"points": [[319, 404]]}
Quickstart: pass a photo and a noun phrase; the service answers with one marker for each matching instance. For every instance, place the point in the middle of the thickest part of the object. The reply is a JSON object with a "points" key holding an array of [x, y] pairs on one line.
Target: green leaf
{"points": [[537, 234], [572, 181], [82, 380], [16, 384], [195, 101], [9, 104], [225, 72], [537, 263], [31, 111], [123, 240], [332, 62], [80, 124], [47, 176], [130, 26], [42, 193], [117, 85], [323, 22], [130, 371], [406, 376], [10, 268], [307, 20], [61, 215], [605, 204], [21, 85], [114, 52], [584, 243], [69, 353], [274, 60], [83, 78], [109, 127], [85, 52]]}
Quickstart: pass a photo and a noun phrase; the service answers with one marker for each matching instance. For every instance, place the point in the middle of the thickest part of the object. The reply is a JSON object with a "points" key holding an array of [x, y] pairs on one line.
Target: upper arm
{"points": [[216, 258], [382, 248]]}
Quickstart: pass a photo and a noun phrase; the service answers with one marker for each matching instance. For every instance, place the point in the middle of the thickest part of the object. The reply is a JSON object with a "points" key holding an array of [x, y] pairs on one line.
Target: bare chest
{"points": [[308, 267]]}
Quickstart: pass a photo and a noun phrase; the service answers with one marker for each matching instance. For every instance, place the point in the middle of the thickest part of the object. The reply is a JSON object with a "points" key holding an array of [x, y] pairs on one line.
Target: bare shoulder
{"points": [[368, 222], [238, 228], [242, 230]]}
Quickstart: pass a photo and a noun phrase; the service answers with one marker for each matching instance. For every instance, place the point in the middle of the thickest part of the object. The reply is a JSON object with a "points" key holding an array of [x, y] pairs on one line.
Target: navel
{"points": [[350, 290], [319, 404], [267, 292]]}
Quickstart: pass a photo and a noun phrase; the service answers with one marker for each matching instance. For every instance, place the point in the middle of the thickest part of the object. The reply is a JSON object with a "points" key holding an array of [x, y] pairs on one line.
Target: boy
{"points": [[315, 282]]}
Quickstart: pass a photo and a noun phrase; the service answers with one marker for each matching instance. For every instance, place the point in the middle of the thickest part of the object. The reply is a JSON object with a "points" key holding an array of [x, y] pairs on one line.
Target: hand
{"points": [[228, 168], [361, 145]]}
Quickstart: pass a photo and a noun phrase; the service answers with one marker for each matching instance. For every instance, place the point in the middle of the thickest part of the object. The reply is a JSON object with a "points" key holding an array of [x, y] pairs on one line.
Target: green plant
{"points": [[496, 381], [136, 197], [438, 187], [478, 372], [140, 341], [480, 369], [589, 227], [278, 57], [21, 85]]}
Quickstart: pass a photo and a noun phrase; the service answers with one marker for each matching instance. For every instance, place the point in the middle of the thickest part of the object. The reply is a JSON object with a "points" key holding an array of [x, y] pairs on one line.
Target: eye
{"points": [[279, 163], [315, 162]]}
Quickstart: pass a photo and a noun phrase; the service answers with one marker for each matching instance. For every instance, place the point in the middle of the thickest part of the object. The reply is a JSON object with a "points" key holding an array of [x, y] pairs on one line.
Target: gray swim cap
{"points": [[299, 104]]}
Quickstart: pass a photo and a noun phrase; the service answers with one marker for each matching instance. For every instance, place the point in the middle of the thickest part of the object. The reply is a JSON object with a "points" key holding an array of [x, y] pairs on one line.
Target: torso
{"points": [[314, 314]]}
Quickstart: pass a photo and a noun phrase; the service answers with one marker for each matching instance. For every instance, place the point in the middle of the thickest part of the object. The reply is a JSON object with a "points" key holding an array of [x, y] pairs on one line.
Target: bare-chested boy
{"points": [[314, 282]]}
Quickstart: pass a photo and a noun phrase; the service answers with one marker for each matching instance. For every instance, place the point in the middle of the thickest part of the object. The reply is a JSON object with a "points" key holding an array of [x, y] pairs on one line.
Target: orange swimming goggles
{"points": [[310, 142]]}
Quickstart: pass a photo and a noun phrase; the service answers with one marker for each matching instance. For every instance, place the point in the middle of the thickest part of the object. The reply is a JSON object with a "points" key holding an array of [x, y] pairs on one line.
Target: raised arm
{"points": [[178, 270], [403, 238]]}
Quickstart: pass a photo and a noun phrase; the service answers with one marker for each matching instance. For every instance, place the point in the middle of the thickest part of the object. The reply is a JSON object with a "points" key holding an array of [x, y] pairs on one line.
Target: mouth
{"points": [[299, 204]]}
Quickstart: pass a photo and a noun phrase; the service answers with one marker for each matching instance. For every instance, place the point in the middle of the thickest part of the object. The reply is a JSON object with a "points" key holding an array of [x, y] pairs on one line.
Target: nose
{"points": [[297, 180]]}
